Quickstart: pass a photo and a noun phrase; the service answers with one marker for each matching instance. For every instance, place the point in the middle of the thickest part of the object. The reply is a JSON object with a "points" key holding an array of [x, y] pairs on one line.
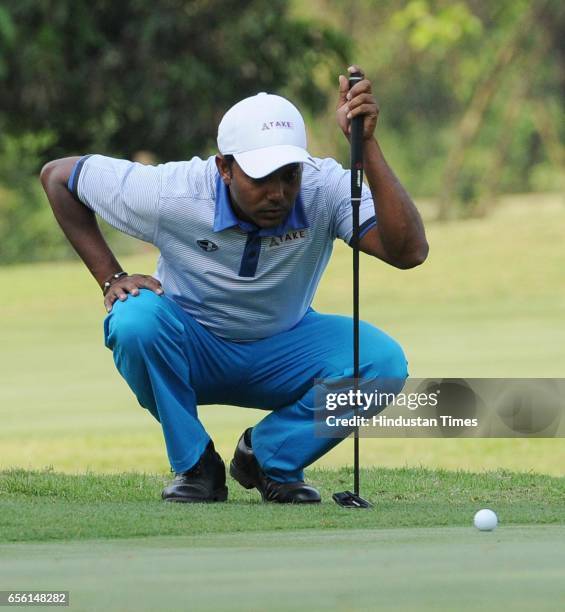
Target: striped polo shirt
{"points": [[241, 282]]}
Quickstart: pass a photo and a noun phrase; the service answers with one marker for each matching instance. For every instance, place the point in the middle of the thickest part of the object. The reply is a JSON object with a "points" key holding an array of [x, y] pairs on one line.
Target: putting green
{"points": [[518, 568]]}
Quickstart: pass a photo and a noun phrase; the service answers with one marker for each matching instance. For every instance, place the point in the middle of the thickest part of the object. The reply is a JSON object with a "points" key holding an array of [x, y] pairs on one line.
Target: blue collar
{"points": [[224, 215]]}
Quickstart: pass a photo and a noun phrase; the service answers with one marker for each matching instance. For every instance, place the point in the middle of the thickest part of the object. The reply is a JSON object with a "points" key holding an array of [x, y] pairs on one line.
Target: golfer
{"points": [[244, 237]]}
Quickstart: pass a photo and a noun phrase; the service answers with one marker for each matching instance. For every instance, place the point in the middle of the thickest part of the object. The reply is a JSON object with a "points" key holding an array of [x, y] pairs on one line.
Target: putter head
{"points": [[347, 499]]}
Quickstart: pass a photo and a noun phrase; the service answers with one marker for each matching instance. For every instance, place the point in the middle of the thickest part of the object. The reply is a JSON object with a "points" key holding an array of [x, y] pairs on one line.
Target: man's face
{"points": [[267, 201]]}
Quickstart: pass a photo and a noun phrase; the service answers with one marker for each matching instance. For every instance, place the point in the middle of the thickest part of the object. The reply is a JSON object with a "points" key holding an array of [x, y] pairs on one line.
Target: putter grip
{"points": [[356, 145]]}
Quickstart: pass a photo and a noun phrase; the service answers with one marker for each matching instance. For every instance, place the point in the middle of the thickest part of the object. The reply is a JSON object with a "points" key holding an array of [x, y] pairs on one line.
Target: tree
{"points": [[471, 93], [118, 77]]}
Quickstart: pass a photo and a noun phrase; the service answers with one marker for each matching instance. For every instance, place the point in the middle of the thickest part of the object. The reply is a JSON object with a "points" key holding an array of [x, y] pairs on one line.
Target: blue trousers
{"points": [[173, 364]]}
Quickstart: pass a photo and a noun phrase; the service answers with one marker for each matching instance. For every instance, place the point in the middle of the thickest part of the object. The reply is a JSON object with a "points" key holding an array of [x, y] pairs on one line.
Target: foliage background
{"points": [[471, 92]]}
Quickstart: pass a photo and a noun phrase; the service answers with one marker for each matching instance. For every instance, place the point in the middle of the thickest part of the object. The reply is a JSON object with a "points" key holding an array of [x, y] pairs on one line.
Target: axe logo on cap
{"points": [[273, 125]]}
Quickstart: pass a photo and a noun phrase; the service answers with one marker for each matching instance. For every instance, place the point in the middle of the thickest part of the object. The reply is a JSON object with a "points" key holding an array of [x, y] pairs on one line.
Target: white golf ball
{"points": [[485, 520]]}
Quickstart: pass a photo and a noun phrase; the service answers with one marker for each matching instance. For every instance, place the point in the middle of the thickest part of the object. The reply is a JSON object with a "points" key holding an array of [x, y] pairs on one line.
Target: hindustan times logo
{"points": [[355, 398], [444, 420]]}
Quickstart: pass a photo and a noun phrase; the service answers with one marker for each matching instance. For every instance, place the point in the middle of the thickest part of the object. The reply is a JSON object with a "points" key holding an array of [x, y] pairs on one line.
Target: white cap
{"points": [[263, 133]]}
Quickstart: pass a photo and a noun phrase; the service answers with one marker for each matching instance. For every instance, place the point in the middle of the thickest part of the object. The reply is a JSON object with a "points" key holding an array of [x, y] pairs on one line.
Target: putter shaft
{"points": [[356, 187]]}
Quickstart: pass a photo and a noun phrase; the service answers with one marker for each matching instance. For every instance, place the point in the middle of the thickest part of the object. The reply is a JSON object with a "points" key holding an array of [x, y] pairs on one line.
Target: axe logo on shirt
{"points": [[207, 245], [276, 241]]}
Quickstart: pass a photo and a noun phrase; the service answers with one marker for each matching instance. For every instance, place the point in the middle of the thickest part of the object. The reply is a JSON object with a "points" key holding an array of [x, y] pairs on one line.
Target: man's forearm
{"points": [[79, 224], [398, 221]]}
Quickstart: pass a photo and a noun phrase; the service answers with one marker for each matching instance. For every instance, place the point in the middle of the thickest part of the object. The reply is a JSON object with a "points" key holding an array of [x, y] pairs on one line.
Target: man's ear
{"points": [[223, 168]]}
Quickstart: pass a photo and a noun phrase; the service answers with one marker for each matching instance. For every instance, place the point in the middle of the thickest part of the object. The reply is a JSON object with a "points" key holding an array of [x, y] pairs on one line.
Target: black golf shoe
{"points": [[247, 471], [204, 482]]}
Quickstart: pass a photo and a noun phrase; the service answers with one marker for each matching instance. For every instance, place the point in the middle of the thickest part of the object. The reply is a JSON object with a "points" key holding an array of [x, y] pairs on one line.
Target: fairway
{"points": [[451, 568], [63, 404]]}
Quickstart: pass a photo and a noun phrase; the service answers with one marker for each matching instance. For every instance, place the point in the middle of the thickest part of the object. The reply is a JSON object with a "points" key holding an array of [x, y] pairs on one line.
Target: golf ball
{"points": [[485, 520]]}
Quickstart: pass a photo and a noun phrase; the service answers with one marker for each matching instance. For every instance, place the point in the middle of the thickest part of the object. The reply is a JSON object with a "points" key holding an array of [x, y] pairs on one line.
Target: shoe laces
{"points": [[271, 488]]}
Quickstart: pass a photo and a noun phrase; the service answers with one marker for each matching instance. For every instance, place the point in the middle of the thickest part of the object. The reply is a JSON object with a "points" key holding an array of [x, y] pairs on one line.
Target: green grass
{"points": [[488, 303], [109, 541], [518, 568], [38, 506]]}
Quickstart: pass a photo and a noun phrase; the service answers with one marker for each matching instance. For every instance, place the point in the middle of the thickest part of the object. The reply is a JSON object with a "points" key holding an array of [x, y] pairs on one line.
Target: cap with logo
{"points": [[264, 133]]}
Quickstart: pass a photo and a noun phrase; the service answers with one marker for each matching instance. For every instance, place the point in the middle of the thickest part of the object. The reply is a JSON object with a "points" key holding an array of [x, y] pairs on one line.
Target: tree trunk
{"points": [[473, 118], [514, 104], [549, 134]]}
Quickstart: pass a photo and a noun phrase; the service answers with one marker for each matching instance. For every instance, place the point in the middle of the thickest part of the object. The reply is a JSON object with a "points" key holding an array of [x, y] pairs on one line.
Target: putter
{"points": [[348, 499]]}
